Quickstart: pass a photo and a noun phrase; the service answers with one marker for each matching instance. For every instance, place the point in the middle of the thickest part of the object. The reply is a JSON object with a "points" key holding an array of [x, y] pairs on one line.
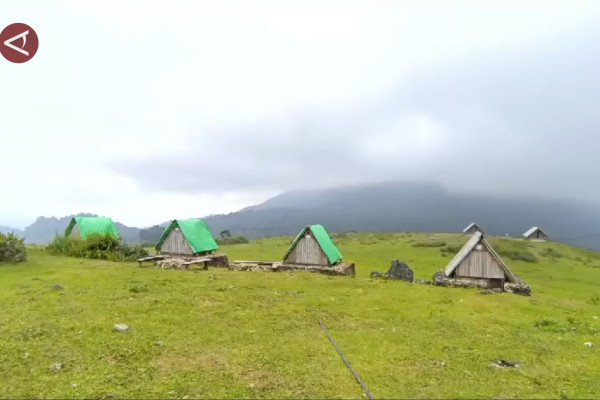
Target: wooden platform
{"points": [[348, 269]]}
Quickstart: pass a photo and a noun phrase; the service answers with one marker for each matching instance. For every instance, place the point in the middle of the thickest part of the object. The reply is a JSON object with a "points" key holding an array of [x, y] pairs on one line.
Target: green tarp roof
{"points": [[195, 231], [329, 248], [91, 225]]}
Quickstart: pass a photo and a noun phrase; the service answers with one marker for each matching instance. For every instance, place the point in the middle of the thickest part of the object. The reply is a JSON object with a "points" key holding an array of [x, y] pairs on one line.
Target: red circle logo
{"points": [[18, 43]]}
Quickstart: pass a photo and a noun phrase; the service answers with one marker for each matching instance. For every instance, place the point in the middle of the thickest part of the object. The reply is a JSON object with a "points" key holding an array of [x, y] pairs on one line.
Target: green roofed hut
{"points": [[82, 227], [313, 246], [187, 237], [186, 242], [312, 250]]}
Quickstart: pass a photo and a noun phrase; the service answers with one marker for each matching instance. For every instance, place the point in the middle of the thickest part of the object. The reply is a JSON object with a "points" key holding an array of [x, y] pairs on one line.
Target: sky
{"points": [[155, 110]]}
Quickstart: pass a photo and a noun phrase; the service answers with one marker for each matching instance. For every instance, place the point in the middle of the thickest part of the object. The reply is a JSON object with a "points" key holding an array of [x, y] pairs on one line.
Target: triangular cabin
{"points": [[186, 237], [537, 234], [472, 228], [313, 246], [478, 261], [82, 227]]}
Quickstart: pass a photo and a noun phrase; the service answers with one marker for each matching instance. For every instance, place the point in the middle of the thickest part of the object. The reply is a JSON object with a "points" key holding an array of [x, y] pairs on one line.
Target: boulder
{"points": [[401, 270]]}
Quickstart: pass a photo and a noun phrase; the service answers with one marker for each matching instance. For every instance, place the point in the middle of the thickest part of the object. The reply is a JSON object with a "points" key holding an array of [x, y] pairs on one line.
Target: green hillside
{"points": [[252, 334]]}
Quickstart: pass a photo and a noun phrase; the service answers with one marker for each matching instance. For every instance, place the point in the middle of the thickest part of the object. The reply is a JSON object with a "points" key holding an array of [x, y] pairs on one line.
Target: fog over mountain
{"points": [[386, 206]]}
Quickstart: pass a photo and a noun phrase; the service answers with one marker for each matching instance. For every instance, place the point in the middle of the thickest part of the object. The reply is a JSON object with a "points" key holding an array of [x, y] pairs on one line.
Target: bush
{"points": [[449, 250], [523, 255], [550, 252], [96, 246], [430, 243], [237, 239], [12, 248]]}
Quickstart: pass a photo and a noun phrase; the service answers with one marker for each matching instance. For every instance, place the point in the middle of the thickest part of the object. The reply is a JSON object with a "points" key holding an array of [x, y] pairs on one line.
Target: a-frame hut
{"points": [[186, 237], [535, 233], [83, 227], [472, 228], [478, 261], [313, 246]]}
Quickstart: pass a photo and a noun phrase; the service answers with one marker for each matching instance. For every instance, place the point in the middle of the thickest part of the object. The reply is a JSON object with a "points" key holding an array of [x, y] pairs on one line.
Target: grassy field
{"points": [[252, 334]]}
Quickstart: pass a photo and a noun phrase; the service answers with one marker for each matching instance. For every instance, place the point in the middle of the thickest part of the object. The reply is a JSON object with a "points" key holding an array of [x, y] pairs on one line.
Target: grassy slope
{"points": [[250, 334]]}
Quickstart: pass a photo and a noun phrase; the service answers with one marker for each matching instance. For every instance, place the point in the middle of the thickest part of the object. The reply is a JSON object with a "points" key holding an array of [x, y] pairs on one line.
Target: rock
{"points": [[212, 277], [440, 279], [505, 363], [57, 367], [423, 281], [121, 327], [589, 344], [377, 274], [250, 386], [159, 343], [486, 291], [595, 317], [57, 287], [518, 288], [73, 385], [400, 270]]}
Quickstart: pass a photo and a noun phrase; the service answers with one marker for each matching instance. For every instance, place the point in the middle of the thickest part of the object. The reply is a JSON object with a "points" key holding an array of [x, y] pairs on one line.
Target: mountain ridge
{"points": [[385, 206]]}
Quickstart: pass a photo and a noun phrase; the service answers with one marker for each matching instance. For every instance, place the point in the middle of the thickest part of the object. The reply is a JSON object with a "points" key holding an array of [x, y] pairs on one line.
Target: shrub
{"points": [[96, 246], [516, 255], [550, 252], [449, 250], [12, 248], [430, 243], [237, 239]]}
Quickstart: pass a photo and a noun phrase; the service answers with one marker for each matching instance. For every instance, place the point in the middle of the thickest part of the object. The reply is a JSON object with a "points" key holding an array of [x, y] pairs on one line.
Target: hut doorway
{"points": [[496, 284]]}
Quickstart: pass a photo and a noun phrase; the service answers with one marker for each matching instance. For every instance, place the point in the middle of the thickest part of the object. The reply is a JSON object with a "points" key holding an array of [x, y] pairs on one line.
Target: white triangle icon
{"points": [[12, 39]]}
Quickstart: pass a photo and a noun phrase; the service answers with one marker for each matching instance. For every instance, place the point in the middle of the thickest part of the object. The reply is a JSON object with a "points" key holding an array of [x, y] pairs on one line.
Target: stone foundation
{"points": [[440, 279]]}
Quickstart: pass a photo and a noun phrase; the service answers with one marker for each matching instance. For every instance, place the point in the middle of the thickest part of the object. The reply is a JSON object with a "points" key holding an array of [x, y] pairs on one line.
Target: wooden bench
{"points": [[197, 261], [150, 258], [255, 262]]}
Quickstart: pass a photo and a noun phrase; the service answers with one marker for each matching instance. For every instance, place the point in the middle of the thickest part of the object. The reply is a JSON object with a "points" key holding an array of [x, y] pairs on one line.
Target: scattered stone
{"points": [[250, 386], [212, 277], [423, 281], [518, 288], [377, 274], [505, 364], [79, 332], [440, 279], [73, 385], [171, 392], [57, 287], [440, 363], [57, 367], [121, 327], [486, 291], [589, 344], [159, 343]]}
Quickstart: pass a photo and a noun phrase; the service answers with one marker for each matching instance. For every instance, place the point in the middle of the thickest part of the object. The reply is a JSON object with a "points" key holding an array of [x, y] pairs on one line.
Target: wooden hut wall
{"points": [[479, 263], [75, 232], [307, 251], [176, 243]]}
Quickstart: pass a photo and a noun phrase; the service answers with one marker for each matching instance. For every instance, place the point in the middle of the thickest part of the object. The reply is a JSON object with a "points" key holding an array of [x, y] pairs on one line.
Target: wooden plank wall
{"points": [[480, 264], [176, 243], [307, 251], [75, 232]]}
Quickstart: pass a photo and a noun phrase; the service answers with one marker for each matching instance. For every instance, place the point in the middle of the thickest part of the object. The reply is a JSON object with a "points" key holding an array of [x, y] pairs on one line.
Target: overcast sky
{"points": [[157, 110]]}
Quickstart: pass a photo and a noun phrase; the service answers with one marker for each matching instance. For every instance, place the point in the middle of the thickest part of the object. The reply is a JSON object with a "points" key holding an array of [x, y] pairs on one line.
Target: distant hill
{"points": [[7, 229], [415, 207], [389, 206]]}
